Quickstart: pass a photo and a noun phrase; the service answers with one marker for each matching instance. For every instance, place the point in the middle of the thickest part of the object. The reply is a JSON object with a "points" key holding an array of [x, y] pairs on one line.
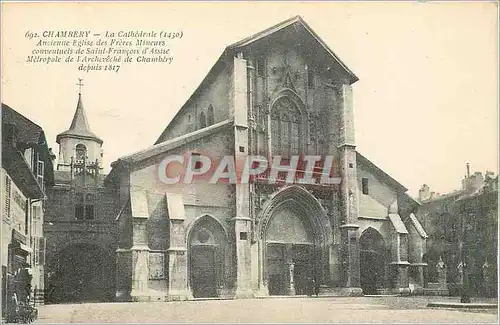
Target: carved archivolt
{"points": [[309, 207]]}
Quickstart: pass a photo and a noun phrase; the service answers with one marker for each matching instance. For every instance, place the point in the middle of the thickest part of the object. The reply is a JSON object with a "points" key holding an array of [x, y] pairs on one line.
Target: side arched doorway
{"points": [[85, 273], [372, 261], [295, 234], [207, 246]]}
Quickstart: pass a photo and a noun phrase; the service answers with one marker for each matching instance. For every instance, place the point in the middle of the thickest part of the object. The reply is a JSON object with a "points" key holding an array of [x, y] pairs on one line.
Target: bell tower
{"points": [[79, 146]]}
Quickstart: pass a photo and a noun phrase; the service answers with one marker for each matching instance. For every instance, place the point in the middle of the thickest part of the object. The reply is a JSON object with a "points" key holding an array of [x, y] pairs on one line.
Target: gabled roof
{"points": [[173, 143], [379, 172], [79, 126], [231, 50], [28, 132], [297, 20]]}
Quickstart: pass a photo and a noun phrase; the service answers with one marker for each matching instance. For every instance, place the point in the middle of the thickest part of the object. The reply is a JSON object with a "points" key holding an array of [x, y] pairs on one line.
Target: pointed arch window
{"points": [[286, 128], [210, 115], [203, 120], [81, 152]]}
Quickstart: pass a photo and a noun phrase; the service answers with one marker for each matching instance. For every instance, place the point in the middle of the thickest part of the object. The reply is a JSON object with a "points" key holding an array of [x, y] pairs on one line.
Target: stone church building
{"points": [[280, 92], [80, 227]]}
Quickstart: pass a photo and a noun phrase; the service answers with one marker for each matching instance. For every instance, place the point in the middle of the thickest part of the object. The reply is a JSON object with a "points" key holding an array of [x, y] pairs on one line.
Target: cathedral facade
{"points": [[281, 92]]}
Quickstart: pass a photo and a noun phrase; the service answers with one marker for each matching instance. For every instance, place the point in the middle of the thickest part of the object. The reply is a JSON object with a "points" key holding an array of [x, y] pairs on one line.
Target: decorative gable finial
{"points": [[287, 80]]}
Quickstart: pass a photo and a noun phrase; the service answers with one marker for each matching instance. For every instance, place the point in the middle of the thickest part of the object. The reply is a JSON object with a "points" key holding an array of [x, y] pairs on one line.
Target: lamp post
{"points": [[464, 295]]}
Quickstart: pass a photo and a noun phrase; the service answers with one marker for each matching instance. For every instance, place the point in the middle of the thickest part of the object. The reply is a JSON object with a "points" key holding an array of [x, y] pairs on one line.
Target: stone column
{"points": [[177, 269], [243, 258], [177, 252], [346, 153], [400, 264], [263, 289], [420, 273], [140, 256], [400, 280], [242, 220], [291, 287], [350, 259]]}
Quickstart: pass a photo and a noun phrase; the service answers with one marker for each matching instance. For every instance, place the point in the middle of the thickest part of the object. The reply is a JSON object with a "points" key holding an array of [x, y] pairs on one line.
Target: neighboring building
{"points": [[80, 220], [279, 92], [467, 218], [26, 174]]}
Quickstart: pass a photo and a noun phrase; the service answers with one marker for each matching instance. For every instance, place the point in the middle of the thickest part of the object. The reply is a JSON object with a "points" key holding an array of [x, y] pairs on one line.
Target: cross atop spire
{"points": [[80, 85]]}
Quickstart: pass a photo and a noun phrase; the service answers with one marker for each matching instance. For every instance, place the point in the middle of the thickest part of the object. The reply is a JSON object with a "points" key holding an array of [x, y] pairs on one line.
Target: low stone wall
{"points": [[436, 289]]}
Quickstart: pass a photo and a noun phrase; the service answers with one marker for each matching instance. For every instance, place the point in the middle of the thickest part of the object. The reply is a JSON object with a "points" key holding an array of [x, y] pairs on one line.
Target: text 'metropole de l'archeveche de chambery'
{"points": [[91, 50]]}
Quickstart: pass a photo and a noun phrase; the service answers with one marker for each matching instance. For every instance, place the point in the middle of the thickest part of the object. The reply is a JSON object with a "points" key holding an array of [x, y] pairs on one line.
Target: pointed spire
{"points": [[79, 127], [79, 119]]}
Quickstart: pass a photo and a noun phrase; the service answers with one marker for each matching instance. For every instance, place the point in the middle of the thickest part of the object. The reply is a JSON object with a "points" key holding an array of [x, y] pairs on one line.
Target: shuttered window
{"points": [[8, 186]]}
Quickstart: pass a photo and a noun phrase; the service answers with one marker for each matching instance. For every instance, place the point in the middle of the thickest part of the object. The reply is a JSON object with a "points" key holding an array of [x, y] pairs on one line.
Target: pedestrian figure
{"points": [[316, 287]]}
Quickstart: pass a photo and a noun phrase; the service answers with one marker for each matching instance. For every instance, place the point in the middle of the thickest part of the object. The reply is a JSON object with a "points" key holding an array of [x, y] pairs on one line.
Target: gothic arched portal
{"points": [[372, 261], [289, 252], [295, 233], [86, 273], [207, 247]]}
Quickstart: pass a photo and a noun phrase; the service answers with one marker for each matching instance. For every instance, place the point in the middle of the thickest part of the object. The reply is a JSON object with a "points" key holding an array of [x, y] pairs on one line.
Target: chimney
{"points": [[473, 182], [424, 193], [468, 170], [477, 181]]}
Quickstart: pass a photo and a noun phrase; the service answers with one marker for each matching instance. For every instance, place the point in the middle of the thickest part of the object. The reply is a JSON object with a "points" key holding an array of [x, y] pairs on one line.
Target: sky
{"points": [[425, 104]]}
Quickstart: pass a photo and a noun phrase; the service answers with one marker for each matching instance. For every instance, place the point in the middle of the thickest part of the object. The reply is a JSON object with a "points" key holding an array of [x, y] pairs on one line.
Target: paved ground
{"points": [[276, 310]]}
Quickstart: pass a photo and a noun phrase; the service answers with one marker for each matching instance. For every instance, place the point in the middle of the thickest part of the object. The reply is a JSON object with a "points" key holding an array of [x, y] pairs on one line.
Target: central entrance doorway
{"points": [[287, 262], [290, 258]]}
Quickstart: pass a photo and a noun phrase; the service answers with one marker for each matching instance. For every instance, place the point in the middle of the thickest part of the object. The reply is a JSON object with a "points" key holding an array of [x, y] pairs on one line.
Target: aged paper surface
{"points": [[413, 88]]}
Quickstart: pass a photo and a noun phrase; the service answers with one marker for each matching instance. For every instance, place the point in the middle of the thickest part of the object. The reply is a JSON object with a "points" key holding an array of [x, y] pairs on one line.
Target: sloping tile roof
{"points": [[17, 168], [28, 132], [163, 147], [418, 226], [379, 172], [398, 223]]}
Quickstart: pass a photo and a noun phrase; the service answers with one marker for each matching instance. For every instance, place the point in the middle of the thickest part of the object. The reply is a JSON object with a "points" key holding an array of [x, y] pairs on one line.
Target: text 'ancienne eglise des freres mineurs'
{"points": [[86, 47]]}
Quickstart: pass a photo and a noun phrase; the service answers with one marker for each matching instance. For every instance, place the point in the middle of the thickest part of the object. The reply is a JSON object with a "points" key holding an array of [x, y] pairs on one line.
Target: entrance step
{"points": [[273, 297], [210, 298]]}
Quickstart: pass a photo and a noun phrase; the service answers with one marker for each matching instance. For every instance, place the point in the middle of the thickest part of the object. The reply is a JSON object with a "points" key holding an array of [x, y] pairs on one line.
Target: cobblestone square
{"points": [[276, 310]]}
